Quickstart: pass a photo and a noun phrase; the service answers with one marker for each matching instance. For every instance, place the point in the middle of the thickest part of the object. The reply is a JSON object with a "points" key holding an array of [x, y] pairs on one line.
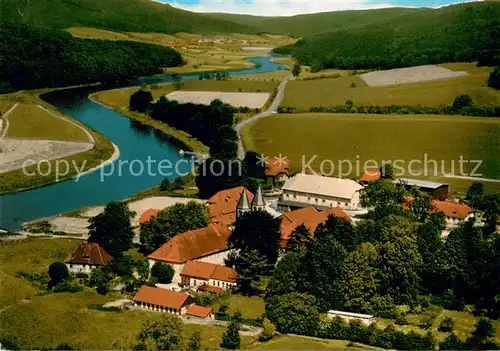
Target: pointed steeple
{"points": [[243, 204], [258, 202]]}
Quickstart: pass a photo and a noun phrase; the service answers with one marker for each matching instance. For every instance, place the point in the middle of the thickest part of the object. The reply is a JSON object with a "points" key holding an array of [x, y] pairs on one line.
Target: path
{"points": [[3, 131], [273, 109]]}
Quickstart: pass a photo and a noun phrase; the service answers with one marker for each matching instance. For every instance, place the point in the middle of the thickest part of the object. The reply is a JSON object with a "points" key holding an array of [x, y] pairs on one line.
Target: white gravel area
{"points": [[70, 225], [17, 151], [251, 100], [92, 212], [409, 75]]}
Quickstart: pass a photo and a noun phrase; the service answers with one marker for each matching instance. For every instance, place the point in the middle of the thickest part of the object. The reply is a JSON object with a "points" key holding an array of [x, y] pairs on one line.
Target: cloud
{"points": [[277, 7]]}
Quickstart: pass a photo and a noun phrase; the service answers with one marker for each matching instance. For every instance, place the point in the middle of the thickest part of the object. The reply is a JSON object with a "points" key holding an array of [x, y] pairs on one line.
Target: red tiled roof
{"points": [[309, 218], [226, 201], [276, 167], [89, 253], [451, 209], [193, 244], [370, 176], [161, 297], [210, 288], [225, 274], [148, 215], [199, 311], [206, 271]]}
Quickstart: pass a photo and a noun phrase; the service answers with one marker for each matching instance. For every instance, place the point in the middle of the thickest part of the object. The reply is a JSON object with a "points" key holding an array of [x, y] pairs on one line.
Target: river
{"points": [[139, 145]]}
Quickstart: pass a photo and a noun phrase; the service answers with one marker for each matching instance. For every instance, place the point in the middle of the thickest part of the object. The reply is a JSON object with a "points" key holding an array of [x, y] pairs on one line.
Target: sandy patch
{"points": [[16, 151], [92, 212], [262, 49], [251, 100], [70, 225], [409, 75]]}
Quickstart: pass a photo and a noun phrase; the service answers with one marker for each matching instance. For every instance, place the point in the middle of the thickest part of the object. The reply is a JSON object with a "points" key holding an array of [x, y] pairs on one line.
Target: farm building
{"points": [[196, 273], [455, 213], [366, 319], [86, 257], [436, 190], [305, 190], [199, 312], [161, 300], [369, 176], [310, 217]]}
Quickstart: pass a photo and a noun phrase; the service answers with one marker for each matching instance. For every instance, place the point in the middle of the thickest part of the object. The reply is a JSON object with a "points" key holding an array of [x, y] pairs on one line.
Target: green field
{"points": [[380, 137], [31, 121], [303, 95]]}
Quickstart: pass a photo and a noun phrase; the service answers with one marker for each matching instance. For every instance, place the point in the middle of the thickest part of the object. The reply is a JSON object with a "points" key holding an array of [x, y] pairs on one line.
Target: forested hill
{"points": [[120, 15], [310, 24], [34, 57], [465, 32]]}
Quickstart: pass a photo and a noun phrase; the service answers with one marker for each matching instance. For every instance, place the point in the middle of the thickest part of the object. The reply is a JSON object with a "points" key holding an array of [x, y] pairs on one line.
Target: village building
{"points": [[455, 213], [278, 171], [366, 319], [303, 190], [310, 217], [199, 312], [148, 215], [87, 257], [433, 189], [370, 176], [223, 206], [161, 300], [197, 273]]}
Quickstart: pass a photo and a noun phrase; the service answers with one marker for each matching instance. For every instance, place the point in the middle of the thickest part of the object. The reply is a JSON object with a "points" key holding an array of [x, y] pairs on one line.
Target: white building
{"points": [[87, 257], [366, 319], [208, 276], [304, 190]]}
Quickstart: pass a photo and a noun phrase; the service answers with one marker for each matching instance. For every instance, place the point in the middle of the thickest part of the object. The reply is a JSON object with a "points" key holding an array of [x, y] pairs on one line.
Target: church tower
{"points": [[258, 203], [243, 204]]}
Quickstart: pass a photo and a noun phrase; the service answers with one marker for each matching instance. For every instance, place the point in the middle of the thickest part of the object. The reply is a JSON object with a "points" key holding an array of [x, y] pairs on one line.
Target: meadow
{"points": [[381, 137], [33, 122], [303, 95]]}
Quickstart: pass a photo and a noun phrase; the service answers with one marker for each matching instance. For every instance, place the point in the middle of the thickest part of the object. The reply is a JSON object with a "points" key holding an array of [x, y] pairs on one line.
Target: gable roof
{"points": [[88, 253], [161, 297], [451, 209], [199, 311], [147, 215], [308, 218], [206, 271], [226, 201], [326, 186], [370, 176], [193, 244], [276, 167]]}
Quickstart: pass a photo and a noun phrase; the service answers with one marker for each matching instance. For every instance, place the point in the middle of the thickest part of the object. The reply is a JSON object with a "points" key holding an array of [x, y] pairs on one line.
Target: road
{"points": [[273, 109]]}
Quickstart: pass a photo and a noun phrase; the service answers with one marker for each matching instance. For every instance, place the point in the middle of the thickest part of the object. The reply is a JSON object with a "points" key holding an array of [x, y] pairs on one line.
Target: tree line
{"points": [[33, 58]]}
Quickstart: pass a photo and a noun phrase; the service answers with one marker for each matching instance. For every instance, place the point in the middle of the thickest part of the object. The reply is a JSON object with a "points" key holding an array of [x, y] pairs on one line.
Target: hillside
{"points": [[310, 24], [454, 33], [121, 15]]}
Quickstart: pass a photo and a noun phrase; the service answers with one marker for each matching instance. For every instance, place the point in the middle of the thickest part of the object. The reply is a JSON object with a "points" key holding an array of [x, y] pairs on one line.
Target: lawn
{"points": [[296, 342], [31, 121], [332, 92], [250, 307], [380, 137]]}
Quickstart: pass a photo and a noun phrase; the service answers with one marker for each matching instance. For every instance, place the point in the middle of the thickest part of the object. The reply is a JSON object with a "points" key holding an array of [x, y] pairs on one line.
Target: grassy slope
{"points": [[310, 24], [332, 92], [453, 28], [30, 121], [389, 137], [17, 180], [121, 15]]}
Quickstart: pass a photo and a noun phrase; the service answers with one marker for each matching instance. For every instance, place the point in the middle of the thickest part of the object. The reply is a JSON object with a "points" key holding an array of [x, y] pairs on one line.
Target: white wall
{"points": [[80, 268], [322, 201]]}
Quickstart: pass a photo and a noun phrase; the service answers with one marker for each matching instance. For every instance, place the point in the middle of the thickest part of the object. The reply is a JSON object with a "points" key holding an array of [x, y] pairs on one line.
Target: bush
{"points": [[57, 273], [494, 79], [268, 330], [140, 101], [163, 272], [66, 286], [462, 101], [353, 85], [446, 325], [231, 337], [426, 322], [401, 320], [82, 275]]}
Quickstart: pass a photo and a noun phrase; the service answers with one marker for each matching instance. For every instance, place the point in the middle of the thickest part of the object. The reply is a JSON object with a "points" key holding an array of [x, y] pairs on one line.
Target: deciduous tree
{"points": [[162, 334]]}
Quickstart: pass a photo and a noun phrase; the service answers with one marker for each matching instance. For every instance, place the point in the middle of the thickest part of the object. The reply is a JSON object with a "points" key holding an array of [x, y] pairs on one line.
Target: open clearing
{"points": [[409, 75], [251, 100], [303, 95], [381, 137]]}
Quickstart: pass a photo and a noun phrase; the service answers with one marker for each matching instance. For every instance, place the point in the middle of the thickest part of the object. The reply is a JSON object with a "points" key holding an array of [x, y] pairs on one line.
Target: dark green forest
{"points": [[461, 33], [34, 58]]}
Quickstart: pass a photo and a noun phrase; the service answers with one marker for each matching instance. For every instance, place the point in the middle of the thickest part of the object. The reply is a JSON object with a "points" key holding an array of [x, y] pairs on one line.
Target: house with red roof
{"points": [[198, 273], [87, 257], [199, 312], [278, 170], [455, 213], [161, 300]]}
